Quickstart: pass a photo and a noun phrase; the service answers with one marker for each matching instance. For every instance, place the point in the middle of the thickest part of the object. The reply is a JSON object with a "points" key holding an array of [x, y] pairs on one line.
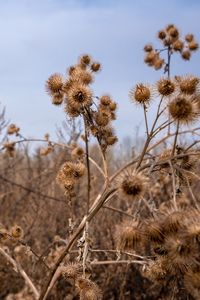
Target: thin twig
{"points": [[19, 269]]}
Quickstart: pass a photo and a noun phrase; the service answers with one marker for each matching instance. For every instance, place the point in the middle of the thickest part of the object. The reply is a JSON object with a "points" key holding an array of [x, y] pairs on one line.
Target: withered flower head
{"points": [[186, 54], [189, 37], [150, 58], [73, 170], [105, 100], [54, 84], [88, 290], [10, 148], [102, 118], [57, 100], [69, 173], [148, 48], [78, 152], [181, 254], [188, 85], [79, 95], [133, 185], [158, 64], [173, 222], [95, 66], [17, 232], [13, 129], [165, 87], [140, 94], [170, 27], [173, 32], [113, 106], [193, 46], [161, 34], [80, 76], [155, 270], [183, 109], [128, 236], [72, 270], [72, 111], [85, 59], [178, 45]]}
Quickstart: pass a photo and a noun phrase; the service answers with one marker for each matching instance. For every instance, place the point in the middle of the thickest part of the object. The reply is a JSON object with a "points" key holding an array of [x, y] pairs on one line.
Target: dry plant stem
{"points": [[109, 262], [86, 247], [92, 212], [174, 185], [175, 140], [119, 211], [169, 53], [88, 165], [150, 135], [19, 269], [30, 190], [146, 121], [192, 194], [97, 166]]}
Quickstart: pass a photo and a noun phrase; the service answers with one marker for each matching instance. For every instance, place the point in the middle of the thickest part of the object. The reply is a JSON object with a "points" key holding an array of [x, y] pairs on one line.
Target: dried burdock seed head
{"points": [[105, 100], [54, 84], [148, 48], [85, 59], [13, 129], [193, 46], [178, 45], [168, 41], [173, 222], [169, 27], [80, 76], [188, 85], [189, 37], [158, 64], [161, 34], [10, 148], [102, 118], [69, 173], [113, 106], [183, 110], [186, 54], [78, 152], [4, 235], [155, 270], [17, 232], [193, 277], [95, 67], [165, 87], [129, 236], [72, 111], [133, 185], [159, 249], [192, 232], [111, 140], [150, 58], [181, 254], [72, 271], [140, 94], [153, 231], [46, 151], [78, 96], [173, 32], [57, 100], [70, 70], [88, 290], [73, 170]]}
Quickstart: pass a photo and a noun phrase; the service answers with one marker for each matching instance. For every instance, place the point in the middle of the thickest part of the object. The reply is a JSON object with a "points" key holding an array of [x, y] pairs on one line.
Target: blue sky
{"points": [[39, 38]]}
